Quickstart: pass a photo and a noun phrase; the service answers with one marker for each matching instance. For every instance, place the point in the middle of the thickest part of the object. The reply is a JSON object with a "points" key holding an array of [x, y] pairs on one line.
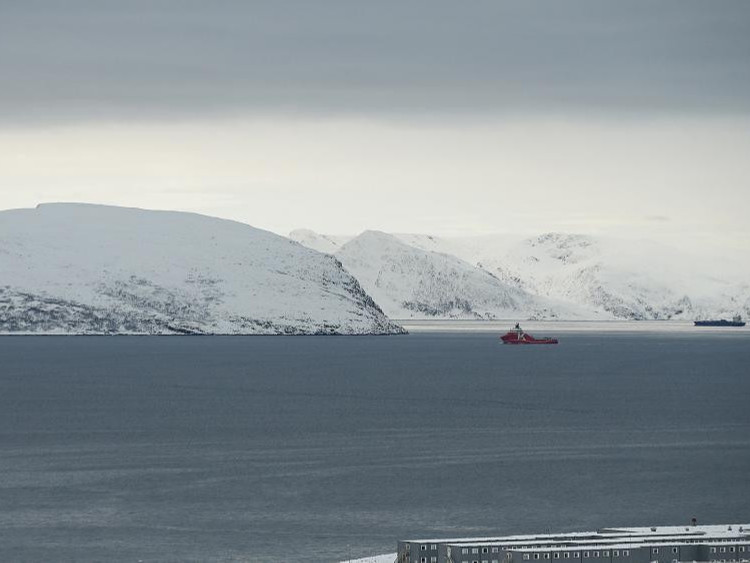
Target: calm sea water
{"points": [[321, 448]]}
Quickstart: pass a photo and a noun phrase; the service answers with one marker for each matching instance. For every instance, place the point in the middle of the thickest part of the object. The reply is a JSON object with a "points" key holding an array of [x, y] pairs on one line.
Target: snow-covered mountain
{"points": [[576, 276], [625, 279], [579, 269], [409, 282], [89, 269]]}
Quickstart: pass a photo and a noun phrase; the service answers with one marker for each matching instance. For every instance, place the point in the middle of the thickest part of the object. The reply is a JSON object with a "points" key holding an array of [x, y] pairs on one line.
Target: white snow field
{"points": [[550, 276], [91, 269]]}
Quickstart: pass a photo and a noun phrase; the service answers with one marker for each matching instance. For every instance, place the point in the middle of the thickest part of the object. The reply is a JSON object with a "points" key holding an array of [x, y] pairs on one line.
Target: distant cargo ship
{"points": [[736, 321]]}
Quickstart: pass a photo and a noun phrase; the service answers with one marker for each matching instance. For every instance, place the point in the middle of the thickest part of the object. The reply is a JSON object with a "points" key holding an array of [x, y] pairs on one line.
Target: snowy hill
{"points": [[75, 268], [409, 282], [584, 270], [575, 276]]}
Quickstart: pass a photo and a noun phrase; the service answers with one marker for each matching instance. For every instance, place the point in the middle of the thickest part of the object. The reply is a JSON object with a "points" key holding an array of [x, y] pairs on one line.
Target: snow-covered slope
{"points": [[76, 268], [577, 276], [470, 249], [625, 279], [409, 282]]}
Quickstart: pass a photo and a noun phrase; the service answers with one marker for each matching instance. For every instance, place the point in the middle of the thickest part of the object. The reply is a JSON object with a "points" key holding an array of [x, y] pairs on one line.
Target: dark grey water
{"points": [[315, 449]]}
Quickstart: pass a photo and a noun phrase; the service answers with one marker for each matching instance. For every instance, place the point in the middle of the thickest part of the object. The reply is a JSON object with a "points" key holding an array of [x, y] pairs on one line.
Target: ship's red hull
{"points": [[513, 338]]}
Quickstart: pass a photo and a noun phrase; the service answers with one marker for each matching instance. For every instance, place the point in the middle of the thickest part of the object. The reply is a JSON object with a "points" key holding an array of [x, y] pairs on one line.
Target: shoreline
{"points": [[417, 326], [623, 326]]}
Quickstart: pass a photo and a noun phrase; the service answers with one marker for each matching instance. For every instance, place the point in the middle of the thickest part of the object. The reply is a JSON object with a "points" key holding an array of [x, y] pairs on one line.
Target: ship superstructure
{"points": [[517, 335]]}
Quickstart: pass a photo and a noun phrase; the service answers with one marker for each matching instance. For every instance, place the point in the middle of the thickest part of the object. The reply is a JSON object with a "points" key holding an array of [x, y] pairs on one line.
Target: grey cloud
{"points": [[168, 58]]}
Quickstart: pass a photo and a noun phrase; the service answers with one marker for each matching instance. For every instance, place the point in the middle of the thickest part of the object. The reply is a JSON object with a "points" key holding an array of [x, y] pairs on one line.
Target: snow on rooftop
{"points": [[655, 533], [385, 558], [521, 537], [672, 530]]}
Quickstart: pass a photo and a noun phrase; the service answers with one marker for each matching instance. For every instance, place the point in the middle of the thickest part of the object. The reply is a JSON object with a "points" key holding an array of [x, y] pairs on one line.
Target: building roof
{"points": [[607, 537]]}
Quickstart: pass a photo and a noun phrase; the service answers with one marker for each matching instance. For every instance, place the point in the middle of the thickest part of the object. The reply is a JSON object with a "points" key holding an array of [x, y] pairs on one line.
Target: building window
{"points": [[655, 550], [433, 559], [674, 550], [525, 556], [557, 555], [626, 553], [742, 549], [577, 555], [495, 561], [596, 554], [422, 560], [616, 553], [485, 550], [566, 555], [495, 550], [546, 555], [723, 549], [585, 553], [731, 549], [536, 556], [606, 554], [713, 550], [475, 550], [423, 547]]}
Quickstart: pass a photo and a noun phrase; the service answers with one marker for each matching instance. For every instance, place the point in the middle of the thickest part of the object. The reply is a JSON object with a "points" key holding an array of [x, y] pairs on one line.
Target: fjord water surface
{"points": [[324, 448]]}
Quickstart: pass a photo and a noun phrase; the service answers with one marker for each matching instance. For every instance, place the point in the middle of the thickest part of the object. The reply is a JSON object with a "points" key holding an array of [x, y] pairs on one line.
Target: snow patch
{"points": [[385, 558]]}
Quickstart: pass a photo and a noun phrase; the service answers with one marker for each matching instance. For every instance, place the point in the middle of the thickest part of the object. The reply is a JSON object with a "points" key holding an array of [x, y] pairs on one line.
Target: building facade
{"points": [[728, 543]]}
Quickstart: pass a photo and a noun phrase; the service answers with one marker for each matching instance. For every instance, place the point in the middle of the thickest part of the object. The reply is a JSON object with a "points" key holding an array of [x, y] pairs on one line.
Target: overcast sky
{"points": [[423, 116]]}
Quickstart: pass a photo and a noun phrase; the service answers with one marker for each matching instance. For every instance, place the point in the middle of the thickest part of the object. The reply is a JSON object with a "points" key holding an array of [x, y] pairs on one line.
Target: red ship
{"points": [[518, 336]]}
